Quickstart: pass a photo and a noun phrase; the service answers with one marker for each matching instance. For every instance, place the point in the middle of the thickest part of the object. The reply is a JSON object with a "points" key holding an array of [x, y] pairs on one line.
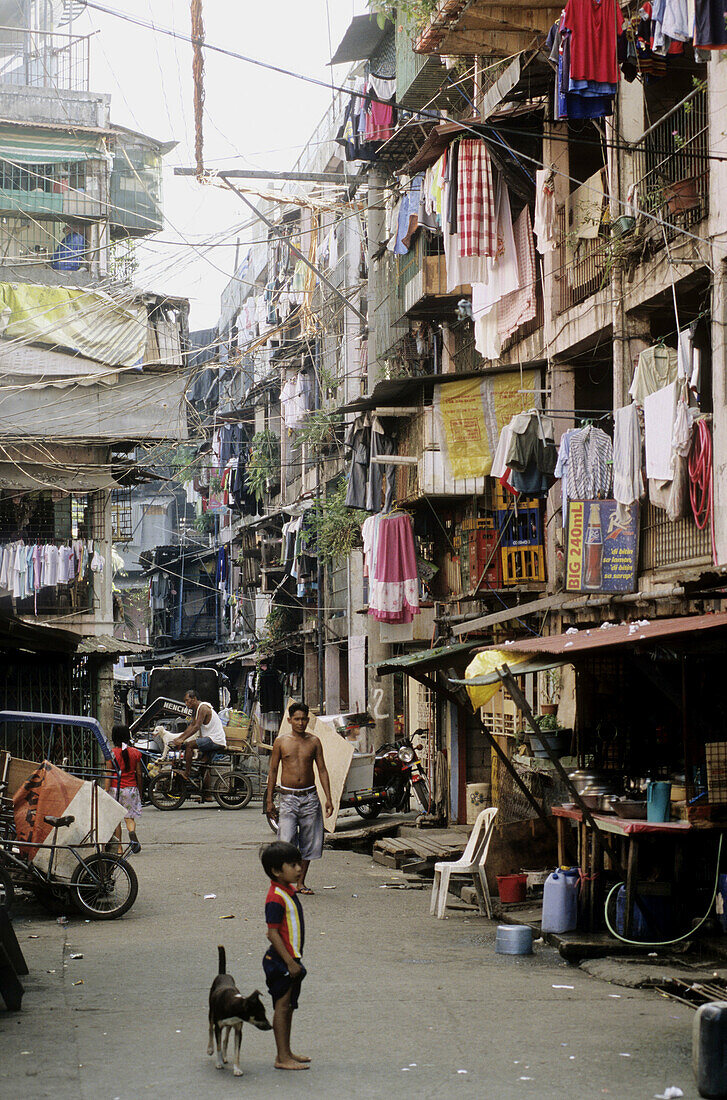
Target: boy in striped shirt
{"points": [[284, 970]]}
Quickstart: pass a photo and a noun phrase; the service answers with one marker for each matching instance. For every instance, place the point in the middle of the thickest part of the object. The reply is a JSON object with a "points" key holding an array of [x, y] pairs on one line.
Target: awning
{"points": [[565, 649], [362, 39], [426, 660], [402, 391], [89, 322], [23, 145]]}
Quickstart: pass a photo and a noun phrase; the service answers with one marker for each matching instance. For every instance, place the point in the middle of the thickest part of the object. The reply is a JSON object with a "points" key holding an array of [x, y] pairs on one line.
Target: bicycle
{"points": [[102, 886], [170, 789]]}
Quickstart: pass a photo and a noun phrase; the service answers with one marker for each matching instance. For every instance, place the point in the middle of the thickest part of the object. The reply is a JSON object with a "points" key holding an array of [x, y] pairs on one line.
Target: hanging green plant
{"points": [[279, 625], [334, 529], [414, 12], [264, 464], [319, 429]]}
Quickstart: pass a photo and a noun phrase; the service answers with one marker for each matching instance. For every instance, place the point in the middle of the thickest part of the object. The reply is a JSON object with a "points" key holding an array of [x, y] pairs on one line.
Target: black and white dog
{"points": [[228, 1010]]}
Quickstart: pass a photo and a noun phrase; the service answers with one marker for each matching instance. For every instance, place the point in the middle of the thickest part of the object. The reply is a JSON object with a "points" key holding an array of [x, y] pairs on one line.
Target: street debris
{"points": [[209, 897], [62, 920], [76, 955], [33, 936], [228, 916], [79, 982], [672, 1093], [329, 887], [563, 987]]}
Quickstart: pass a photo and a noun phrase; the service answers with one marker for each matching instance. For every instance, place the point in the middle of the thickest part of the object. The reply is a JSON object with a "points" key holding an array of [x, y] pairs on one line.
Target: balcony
{"points": [[665, 544], [44, 59], [672, 164], [421, 278], [583, 265]]}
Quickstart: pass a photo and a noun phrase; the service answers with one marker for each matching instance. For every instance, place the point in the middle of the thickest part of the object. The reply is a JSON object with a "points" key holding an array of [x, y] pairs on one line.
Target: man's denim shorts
{"points": [[301, 822], [206, 744]]}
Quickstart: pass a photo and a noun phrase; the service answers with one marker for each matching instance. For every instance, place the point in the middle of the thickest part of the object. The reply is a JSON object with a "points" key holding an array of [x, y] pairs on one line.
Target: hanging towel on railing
{"points": [[628, 482]]}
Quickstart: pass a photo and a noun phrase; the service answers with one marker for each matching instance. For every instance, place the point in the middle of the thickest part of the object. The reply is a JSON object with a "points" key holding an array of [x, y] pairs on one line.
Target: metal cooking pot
{"points": [[586, 778]]}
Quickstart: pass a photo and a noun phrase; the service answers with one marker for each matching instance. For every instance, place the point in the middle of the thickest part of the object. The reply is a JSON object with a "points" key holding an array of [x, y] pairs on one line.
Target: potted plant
{"points": [[551, 732], [550, 691]]}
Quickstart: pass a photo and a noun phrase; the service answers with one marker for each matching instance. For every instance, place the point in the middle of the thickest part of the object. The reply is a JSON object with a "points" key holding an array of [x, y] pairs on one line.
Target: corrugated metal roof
{"points": [[426, 660], [595, 638]]}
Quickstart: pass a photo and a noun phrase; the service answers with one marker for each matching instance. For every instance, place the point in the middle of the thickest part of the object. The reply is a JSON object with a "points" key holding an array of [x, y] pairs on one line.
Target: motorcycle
{"points": [[379, 782]]}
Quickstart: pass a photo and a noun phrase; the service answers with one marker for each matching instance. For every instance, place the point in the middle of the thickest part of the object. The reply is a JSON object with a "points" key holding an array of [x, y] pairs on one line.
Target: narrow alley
{"points": [[396, 1003]]}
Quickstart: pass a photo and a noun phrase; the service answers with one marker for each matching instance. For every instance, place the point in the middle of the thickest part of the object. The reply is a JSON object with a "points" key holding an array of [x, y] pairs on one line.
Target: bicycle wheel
{"points": [[273, 818], [168, 791], [7, 890], [232, 790], [104, 887]]}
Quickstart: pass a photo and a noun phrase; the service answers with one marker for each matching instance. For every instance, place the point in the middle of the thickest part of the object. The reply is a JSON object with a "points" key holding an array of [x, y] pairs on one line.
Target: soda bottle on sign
{"points": [[594, 549]]}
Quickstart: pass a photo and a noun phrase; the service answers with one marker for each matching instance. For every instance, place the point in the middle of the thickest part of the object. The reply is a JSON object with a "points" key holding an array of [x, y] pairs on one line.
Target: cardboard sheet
{"points": [[337, 753]]}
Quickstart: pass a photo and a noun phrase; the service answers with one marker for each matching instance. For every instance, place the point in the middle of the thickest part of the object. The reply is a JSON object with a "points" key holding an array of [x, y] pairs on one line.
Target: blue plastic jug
{"points": [[658, 804], [560, 902]]}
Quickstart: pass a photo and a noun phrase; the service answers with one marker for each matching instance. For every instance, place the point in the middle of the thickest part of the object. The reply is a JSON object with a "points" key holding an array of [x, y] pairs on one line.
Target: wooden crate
{"points": [[716, 757], [522, 564]]}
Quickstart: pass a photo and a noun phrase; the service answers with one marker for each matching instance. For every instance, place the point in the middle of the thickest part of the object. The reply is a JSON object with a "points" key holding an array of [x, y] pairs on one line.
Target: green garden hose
{"points": [[665, 943]]}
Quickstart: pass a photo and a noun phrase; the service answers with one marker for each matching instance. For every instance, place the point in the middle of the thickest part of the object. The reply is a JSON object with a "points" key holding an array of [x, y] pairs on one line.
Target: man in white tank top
{"points": [[205, 733]]}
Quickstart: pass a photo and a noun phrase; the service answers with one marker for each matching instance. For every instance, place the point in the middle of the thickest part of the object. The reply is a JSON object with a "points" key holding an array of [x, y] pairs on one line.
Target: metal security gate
{"points": [[47, 684]]}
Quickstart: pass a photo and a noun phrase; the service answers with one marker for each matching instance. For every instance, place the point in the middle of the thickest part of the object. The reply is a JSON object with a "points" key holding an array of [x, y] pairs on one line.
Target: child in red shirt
{"points": [[282, 963], [126, 787]]}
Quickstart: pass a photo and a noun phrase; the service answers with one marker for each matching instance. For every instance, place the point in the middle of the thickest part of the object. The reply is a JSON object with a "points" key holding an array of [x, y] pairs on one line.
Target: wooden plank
{"points": [[385, 859], [546, 604]]}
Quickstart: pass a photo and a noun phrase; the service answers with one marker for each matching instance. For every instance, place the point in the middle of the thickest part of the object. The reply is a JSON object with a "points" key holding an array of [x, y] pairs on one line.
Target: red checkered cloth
{"points": [[518, 307], [476, 218]]}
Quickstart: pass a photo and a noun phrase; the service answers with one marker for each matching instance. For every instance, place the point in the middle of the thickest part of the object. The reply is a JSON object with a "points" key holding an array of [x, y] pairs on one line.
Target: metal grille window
{"points": [[121, 522], [664, 543]]}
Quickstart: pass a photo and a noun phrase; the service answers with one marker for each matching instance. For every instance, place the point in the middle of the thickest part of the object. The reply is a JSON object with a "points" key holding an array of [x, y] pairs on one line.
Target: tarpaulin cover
{"points": [[89, 322], [52, 792], [21, 145], [487, 662], [470, 415]]}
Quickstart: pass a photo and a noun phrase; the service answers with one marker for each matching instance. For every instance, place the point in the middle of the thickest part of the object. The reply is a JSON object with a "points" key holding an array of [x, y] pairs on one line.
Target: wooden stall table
{"points": [[631, 830]]}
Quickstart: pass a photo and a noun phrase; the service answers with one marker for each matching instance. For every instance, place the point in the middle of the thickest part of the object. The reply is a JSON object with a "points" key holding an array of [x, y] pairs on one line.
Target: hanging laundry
{"points": [[503, 277], [586, 208], [656, 368], [476, 213], [678, 504], [628, 482], [520, 305], [659, 413], [532, 454], [590, 470], [561, 469], [358, 439], [710, 29], [394, 581], [594, 28], [382, 444], [545, 227]]}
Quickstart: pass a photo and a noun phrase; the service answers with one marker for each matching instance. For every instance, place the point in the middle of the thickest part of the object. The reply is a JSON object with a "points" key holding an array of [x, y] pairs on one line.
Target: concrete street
{"points": [[396, 1004]]}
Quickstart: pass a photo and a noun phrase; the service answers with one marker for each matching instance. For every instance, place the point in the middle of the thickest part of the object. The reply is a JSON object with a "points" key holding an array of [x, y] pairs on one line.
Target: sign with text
{"points": [[601, 553]]}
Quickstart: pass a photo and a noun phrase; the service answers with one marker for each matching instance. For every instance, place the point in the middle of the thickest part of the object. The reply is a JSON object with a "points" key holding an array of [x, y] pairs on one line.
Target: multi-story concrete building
{"points": [[90, 367]]}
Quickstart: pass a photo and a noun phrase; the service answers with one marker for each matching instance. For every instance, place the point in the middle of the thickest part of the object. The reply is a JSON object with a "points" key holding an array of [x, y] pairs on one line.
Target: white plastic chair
{"points": [[472, 863]]}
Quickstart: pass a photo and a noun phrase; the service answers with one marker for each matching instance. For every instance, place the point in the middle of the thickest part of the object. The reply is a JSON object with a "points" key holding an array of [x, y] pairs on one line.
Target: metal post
{"points": [[521, 702]]}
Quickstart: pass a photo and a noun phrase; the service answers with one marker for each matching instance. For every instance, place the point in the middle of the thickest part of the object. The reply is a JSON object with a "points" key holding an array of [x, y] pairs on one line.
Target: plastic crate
{"points": [[522, 563], [521, 528], [504, 499], [482, 551]]}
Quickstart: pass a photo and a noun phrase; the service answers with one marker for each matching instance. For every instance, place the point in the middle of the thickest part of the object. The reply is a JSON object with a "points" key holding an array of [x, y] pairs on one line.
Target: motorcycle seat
{"points": [[59, 822]]}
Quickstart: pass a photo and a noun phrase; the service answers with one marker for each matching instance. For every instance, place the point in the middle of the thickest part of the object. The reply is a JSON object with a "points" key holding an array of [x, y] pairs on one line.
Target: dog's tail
{"points": [[222, 958]]}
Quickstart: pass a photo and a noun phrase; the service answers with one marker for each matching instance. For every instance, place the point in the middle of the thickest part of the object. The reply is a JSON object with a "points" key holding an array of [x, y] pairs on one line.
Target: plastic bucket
{"points": [[514, 939], [512, 887]]}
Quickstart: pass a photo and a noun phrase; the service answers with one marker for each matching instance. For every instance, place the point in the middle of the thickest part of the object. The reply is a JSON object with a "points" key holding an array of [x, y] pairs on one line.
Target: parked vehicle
{"points": [[380, 782], [231, 789]]}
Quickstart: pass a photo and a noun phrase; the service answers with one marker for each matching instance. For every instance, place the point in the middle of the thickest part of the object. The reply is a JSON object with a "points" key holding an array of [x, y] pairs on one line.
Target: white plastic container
{"points": [[560, 903]]}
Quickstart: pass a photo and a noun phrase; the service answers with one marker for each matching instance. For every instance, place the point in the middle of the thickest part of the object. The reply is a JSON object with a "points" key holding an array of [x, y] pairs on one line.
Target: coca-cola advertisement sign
{"points": [[602, 547]]}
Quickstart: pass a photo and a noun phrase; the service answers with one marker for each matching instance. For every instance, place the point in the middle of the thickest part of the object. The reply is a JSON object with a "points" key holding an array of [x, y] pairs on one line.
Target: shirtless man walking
{"points": [[301, 818]]}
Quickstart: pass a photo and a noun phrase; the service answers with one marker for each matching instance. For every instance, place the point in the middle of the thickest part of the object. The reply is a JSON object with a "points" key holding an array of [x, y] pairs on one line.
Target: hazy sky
{"points": [[253, 118]]}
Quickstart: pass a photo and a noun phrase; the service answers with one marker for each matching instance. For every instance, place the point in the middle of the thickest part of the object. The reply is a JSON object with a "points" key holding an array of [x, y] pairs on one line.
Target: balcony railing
{"points": [[673, 168], [44, 59], [665, 544], [583, 267]]}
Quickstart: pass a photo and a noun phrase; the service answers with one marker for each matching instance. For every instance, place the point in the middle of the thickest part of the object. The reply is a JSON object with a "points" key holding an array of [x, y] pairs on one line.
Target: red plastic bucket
{"points": [[512, 887]]}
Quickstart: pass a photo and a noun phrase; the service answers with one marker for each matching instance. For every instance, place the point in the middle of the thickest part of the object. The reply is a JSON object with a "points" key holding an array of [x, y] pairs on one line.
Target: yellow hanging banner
{"points": [[471, 413]]}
